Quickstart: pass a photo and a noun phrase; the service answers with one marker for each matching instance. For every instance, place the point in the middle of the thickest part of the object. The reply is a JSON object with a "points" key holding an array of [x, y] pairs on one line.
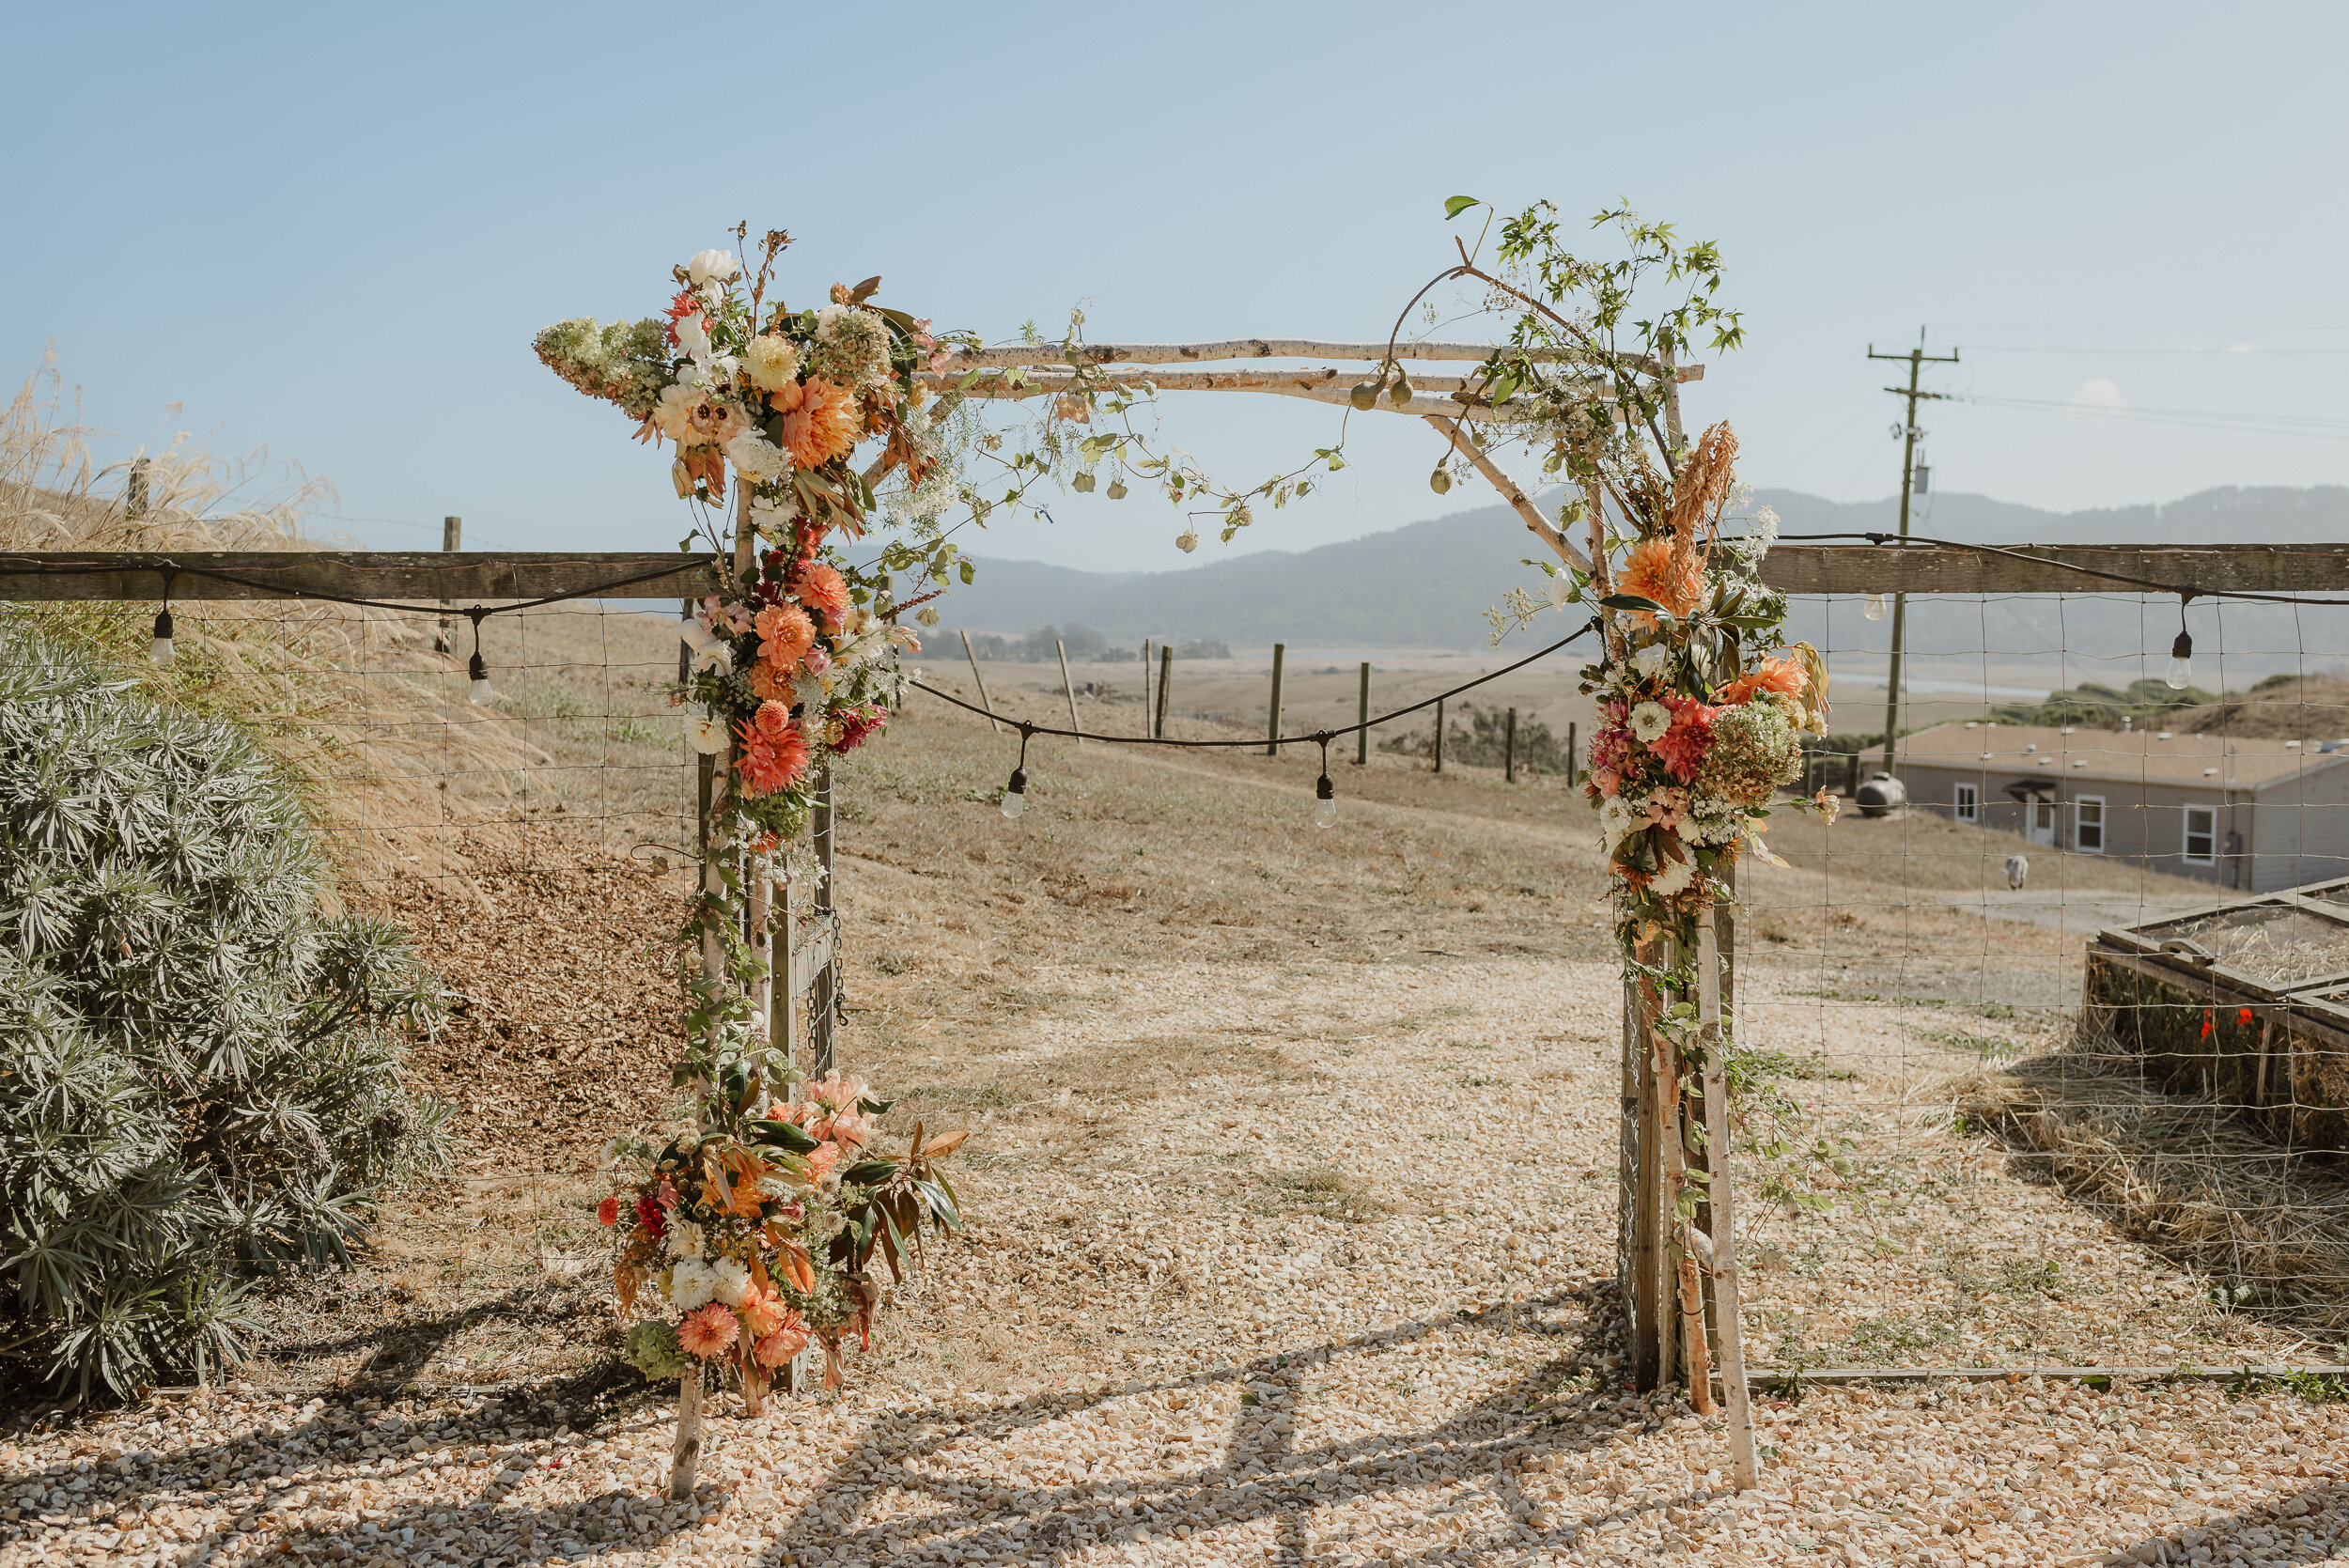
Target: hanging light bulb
{"points": [[1325, 803], [1875, 610], [160, 649], [2180, 662], [1016, 792], [480, 669]]}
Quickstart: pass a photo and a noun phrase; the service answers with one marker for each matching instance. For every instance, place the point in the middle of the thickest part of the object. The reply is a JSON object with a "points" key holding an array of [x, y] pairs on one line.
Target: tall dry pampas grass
{"points": [[365, 718]]}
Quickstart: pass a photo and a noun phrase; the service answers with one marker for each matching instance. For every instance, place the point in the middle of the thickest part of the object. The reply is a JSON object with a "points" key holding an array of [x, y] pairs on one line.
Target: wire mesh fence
{"points": [[2097, 923]]}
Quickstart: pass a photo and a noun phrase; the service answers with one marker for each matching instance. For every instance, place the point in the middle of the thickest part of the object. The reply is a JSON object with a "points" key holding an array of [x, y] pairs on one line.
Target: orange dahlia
{"points": [[608, 1212], [785, 1343], [1657, 572], [784, 635], [821, 424], [821, 587], [708, 1331], [773, 718], [770, 685], [760, 1312], [770, 762], [1781, 676]]}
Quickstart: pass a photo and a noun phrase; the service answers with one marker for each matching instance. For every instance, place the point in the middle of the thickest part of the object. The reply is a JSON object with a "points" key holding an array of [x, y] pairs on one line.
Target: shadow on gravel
{"points": [[2260, 1534], [1262, 1474]]}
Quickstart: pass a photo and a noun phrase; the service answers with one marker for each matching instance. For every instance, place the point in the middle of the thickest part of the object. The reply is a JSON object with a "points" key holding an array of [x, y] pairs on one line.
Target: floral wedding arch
{"points": [[757, 1226]]}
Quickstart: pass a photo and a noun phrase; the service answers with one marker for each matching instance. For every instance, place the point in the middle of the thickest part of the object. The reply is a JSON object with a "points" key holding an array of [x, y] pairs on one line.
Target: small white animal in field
{"points": [[2017, 867]]}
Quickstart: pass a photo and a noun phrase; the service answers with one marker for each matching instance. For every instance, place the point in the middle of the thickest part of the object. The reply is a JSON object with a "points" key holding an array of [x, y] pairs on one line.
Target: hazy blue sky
{"points": [[334, 229]]}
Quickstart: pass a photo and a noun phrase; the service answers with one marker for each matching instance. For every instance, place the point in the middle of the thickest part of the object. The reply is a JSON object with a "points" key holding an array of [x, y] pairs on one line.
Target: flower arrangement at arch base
{"points": [[751, 1245]]}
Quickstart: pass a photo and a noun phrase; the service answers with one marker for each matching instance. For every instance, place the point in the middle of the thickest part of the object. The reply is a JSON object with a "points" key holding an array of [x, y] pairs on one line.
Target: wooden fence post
{"points": [[1572, 768], [1362, 736], [135, 493], [1068, 689], [1728, 1329], [1438, 735], [1145, 688], [1166, 678], [688, 1452], [1272, 726], [452, 530], [980, 681], [824, 996], [1509, 748]]}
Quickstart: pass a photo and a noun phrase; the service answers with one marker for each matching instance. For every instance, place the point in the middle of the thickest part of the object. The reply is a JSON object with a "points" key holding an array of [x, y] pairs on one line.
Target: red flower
{"points": [[1684, 745], [2242, 1019], [857, 724], [608, 1212], [683, 305], [2207, 1025], [648, 1215]]}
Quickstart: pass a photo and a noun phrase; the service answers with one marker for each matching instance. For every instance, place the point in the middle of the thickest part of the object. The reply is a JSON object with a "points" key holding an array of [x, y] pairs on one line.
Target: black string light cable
{"points": [[1325, 793]]}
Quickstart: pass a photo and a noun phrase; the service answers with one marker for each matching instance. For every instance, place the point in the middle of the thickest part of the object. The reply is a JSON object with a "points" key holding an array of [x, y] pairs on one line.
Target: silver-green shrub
{"points": [[199, 1067]]}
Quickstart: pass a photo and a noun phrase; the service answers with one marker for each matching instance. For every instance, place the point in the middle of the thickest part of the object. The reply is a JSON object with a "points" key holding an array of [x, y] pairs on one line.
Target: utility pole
{"points": [[1918, 359]]}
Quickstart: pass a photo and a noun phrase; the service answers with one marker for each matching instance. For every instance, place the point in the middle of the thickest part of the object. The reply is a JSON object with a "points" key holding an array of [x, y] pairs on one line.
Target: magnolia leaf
{"points": [[1455, 206], [941, 1147], [865, 290]]}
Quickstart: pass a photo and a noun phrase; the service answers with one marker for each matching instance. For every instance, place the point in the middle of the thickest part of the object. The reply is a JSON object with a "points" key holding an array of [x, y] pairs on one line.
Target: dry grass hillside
{"points": [[2285, 708]]}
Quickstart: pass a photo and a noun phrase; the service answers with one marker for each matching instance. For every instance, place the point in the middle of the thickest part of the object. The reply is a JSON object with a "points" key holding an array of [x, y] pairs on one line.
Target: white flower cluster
{"points": [[1649, 721], [1711, 821], [1618, 819], [693, 1283], [1652, 659], [757, 457]]}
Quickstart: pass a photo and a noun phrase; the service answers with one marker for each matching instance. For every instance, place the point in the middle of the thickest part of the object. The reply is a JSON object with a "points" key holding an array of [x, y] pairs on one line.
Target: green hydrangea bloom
{"points": [[654, 1349], [1755, 749]]}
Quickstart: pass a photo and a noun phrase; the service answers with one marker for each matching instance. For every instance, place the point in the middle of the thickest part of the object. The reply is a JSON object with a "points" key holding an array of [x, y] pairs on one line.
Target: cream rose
{"points": [[709, 265]]}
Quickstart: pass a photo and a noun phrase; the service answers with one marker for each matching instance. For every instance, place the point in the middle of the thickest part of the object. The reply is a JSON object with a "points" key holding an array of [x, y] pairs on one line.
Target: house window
{"points": [[2088, 824], [1968, 803], [2202, 834]]}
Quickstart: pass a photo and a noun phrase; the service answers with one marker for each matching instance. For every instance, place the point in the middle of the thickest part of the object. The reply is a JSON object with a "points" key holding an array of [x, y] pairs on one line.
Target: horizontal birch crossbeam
{"points": [[1448, 397], [1279, 348]]}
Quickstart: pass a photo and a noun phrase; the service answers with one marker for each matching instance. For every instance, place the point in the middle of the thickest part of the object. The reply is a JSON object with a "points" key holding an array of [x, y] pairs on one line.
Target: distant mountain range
{"points": [[1427, 585]]}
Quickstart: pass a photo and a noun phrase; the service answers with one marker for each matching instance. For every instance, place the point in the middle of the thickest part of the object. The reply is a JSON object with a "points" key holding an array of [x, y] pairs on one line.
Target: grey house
{"points": [[2249, 814]]}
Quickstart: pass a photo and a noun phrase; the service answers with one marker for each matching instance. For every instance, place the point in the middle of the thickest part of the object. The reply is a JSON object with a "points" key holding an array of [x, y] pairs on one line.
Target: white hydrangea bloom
{"points": [[1649, 721]]}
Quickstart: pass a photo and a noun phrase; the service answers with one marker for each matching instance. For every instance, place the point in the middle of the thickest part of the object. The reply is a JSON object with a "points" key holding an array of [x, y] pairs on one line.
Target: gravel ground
{"points": [[1292, 1186]]}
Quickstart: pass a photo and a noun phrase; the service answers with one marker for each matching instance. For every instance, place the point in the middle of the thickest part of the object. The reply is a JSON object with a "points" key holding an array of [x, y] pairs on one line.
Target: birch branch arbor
{"points": [[1678, 1230]]}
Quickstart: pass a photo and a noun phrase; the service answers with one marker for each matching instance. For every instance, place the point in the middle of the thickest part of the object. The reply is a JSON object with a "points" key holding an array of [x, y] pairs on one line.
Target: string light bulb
{"points": [[477, 668], [1016, 793], [159, 648], [1325, 793], [2180, 674], [1875, 608]]}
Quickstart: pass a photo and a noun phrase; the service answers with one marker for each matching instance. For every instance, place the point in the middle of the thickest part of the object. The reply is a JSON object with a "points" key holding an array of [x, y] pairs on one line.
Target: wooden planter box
{"points": [[2244, 1002]]}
